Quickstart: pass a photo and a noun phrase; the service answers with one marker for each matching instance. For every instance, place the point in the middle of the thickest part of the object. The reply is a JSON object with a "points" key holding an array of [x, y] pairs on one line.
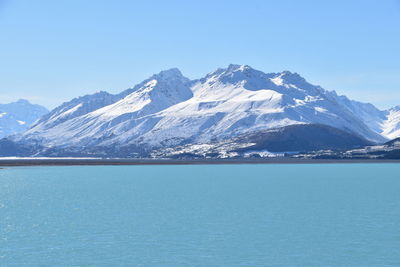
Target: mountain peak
{"points": [[231, 69], [294, 80], [172, 73], [237, 67], [22, 101], [291, 76]]}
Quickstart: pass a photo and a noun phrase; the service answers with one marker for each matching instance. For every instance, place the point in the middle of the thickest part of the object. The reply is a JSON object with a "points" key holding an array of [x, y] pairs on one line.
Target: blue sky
{"points": [[52, 51]]}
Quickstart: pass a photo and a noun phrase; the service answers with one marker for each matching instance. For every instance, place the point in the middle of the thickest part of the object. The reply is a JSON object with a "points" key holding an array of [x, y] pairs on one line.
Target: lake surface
{"points": [[219, 215]]}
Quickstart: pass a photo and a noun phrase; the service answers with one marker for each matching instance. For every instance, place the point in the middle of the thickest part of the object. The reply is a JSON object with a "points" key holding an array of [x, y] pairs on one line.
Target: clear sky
{"points": [[52, 51]]}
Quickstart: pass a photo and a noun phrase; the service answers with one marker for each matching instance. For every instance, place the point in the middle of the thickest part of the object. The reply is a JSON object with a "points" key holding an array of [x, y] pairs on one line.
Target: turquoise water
{"points": [[220, 215]]}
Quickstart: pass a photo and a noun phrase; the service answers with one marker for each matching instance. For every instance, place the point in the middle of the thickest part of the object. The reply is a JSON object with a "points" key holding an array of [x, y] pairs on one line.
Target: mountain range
{"points": [[16, 117], [228, 112]]}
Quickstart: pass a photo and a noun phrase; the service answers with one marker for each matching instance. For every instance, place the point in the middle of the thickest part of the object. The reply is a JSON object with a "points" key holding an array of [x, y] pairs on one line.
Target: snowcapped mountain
{"points": [[168, 110], [16, 117]]}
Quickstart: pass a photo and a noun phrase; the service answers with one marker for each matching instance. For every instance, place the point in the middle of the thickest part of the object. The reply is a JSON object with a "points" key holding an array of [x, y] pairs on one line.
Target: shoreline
{"points": [[121, 162]]}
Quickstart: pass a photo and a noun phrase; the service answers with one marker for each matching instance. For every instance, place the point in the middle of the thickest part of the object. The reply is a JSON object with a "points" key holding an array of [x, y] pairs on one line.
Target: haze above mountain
{"points": [[169, 110]]}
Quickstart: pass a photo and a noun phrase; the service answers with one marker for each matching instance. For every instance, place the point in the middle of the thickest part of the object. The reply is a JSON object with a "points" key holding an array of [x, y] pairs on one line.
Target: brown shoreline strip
{"points": [[99, 162]]}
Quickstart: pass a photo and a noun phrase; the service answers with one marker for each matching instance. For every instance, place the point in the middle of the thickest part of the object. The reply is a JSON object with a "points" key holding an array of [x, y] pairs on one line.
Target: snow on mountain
{"points": [[112, 114], [74, 108], [168, 110], [240, 99], [16, 117], [391, 126]]}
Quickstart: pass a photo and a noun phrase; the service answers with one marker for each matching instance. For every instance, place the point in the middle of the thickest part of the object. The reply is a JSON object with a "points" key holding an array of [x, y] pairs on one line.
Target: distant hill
{"points": [[18, 116]]}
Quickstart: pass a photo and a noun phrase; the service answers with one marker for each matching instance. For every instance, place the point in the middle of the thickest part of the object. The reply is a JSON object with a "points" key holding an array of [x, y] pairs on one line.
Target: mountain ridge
{"points": [[168, 110]]}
